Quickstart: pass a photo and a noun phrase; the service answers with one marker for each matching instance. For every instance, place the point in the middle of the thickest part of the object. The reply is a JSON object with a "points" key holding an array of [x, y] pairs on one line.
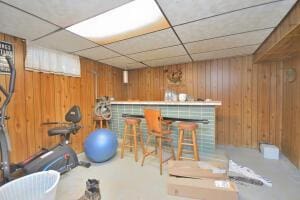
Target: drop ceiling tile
{"points": [[97, 53], [168, 61], [159, 53], [159, 39], [73, 11], [64, 41], [117, 61], [231, 41], [260, 17], [179, 12], [21, 24], [245, 50]]}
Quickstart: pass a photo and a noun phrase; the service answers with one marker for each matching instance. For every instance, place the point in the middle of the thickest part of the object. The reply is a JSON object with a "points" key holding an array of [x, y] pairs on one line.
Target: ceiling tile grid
{"points": [[65, 41], [179, 12], [168, 61], [260, 17], [208, 29], [238, 51], [73, 11], [145, 42], [249, 38], [120, 61], [97, 53], [159, 53], [21, 24], [134, 65]]}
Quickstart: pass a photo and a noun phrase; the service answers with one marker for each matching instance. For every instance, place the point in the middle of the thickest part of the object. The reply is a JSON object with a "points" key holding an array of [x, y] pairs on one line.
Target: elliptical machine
{"points": [[61, 157]]}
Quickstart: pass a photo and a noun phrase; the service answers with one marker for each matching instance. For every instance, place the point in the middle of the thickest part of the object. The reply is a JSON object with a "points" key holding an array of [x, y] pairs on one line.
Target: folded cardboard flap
{"points": [[203, 189], [198, 169]]}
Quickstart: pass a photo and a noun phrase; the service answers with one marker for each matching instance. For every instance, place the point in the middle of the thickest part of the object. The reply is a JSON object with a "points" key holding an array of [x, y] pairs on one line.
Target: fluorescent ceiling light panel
{"points": [[132, 19]]}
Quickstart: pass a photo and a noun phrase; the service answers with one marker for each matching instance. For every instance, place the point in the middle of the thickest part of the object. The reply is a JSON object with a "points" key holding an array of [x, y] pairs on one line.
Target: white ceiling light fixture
{"points": [[132, 19], [125, 76]]}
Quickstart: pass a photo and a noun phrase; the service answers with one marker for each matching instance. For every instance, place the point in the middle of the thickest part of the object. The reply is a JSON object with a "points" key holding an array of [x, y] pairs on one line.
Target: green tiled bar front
{"points": [[205, 132]]}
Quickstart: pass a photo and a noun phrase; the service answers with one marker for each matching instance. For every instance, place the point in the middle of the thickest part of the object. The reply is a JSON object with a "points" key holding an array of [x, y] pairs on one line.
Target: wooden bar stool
{"points": [[133, 124], [98, 122], [166, 125], [160, 130], [185, 127]]}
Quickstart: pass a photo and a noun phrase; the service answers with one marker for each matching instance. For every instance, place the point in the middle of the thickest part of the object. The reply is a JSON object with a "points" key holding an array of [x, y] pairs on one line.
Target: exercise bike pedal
{"points": [[84, 164]]}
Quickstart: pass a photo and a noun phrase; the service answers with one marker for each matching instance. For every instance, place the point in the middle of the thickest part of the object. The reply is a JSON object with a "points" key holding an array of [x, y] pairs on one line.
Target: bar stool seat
{"points": [[130, 137], [132, 121], [185, 127], [189, 126]]}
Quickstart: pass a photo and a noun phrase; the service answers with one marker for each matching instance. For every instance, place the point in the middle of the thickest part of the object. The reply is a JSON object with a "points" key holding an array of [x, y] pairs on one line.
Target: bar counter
{"points": [[196, 110]]}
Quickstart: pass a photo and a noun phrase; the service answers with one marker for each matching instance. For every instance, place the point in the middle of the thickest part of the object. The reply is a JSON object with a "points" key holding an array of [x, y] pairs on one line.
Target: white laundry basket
{"points": [[37, 186]]}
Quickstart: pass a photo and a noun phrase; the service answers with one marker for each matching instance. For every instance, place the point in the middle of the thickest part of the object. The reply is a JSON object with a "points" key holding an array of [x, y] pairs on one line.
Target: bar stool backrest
{"points": [[153, 120]]}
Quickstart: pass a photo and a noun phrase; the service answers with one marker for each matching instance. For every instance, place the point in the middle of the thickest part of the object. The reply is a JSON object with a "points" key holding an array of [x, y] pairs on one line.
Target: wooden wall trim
{"points": [[275, 46]]}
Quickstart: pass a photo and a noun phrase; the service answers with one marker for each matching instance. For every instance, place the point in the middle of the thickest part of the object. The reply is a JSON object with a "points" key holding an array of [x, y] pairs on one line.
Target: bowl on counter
{"points": [[182, 97]]}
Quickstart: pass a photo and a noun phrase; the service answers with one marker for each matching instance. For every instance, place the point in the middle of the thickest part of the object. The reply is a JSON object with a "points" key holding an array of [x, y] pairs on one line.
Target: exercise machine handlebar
{"points": [[8, 94], [12, 75]]}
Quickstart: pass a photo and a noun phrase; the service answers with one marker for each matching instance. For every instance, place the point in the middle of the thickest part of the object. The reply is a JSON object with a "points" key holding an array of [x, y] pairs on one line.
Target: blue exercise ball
{"points": [[101, 145]]}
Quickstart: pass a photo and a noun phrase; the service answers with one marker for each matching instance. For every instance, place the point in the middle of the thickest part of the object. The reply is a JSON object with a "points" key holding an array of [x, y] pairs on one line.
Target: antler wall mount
{"points": [[174, 76]]}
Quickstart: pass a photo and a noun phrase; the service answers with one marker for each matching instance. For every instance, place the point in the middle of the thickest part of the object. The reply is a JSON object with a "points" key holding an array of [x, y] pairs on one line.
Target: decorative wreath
{"points": [[174, 76]]}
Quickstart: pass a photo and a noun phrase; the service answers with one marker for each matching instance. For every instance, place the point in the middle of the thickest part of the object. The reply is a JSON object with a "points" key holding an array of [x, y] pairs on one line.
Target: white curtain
{"points": [[51, 61]]}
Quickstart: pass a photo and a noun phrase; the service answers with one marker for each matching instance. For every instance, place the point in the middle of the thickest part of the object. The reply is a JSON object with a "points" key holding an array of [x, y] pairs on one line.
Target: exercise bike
{"points": [[61, 157]]}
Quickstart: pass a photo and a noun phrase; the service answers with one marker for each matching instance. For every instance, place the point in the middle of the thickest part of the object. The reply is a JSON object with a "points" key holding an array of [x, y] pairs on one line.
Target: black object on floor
{"points": [[246, 180], [92, 191]]}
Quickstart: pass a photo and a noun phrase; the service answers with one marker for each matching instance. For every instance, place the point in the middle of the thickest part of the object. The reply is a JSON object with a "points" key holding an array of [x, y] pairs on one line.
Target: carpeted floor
{"points": [[124, 179]]}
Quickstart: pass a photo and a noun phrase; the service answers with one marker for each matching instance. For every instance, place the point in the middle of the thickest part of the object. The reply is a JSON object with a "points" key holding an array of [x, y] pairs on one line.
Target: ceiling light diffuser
{"points": [[132, 19]]}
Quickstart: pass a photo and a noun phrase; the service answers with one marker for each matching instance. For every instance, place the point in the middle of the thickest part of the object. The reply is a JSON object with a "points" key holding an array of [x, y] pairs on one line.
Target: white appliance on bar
{"points": [[182, 97]]}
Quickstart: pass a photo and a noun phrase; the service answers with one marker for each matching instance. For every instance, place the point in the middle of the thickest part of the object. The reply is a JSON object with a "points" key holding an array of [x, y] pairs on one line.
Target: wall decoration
{"points": [[291, 74], [174, 76], [6, 49]]}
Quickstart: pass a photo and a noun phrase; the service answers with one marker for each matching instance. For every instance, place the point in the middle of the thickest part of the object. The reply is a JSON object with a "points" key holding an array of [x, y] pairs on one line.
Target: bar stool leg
{"points": [[135, 143], [130, 139], [156, 144], [172, 149], [124, 140], [160, 155], [146, 151], [141, 139], [195, 147], [101, 124], [180, 140]]}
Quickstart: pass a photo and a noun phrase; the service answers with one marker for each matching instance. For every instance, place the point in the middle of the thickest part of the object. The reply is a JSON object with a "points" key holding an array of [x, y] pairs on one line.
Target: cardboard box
{"points": [[198, 169], [203, 189], [270, 151]]}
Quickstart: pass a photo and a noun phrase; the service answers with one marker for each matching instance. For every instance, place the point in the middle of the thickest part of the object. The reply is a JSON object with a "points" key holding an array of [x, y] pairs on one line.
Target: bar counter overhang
{"points": [[194, 110]]}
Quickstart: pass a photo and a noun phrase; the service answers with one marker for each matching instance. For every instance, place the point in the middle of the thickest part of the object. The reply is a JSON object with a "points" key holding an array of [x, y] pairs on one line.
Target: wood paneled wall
{"points": [[291, 113], [251, 95], [41, 97], [258, 103]]}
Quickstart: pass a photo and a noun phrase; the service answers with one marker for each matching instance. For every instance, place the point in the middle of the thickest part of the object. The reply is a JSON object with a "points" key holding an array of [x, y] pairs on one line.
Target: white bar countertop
{"points": [[184, 103]]}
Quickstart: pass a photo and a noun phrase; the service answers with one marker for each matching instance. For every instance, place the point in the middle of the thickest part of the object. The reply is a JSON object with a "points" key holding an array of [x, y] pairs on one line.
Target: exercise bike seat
{"points": [[73, 116]]}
